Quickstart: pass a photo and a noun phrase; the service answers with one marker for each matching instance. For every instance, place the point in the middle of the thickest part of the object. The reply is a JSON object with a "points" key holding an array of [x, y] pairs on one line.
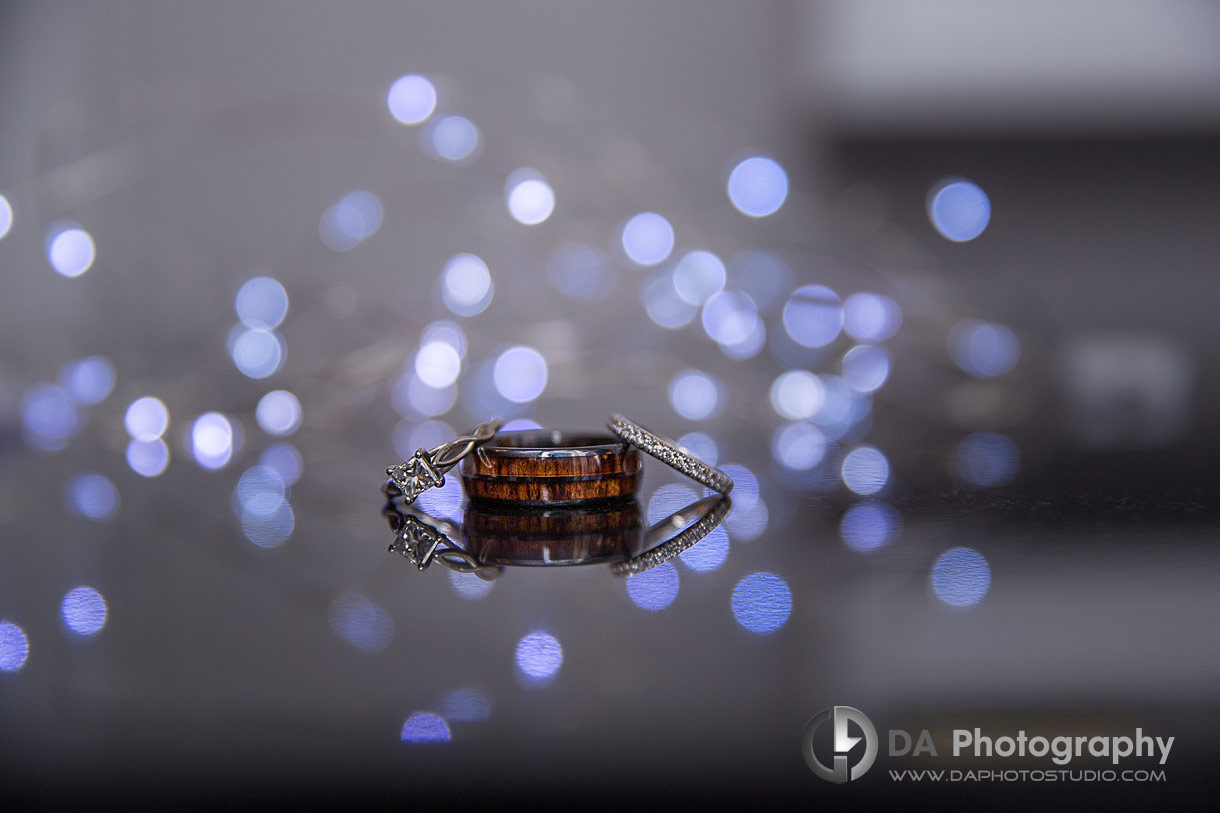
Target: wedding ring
{"points": [[537, 467], [671, 454], [506, 534], [700, 518], [426, 469]]}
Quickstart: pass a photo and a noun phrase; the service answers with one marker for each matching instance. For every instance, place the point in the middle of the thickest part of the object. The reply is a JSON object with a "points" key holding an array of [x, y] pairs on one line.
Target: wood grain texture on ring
{"points": [[541, 466], [497, 533]]}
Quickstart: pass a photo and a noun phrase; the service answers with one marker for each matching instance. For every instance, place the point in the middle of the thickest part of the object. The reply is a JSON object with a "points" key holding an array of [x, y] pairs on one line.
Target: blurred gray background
{"points": [[986, 492]]}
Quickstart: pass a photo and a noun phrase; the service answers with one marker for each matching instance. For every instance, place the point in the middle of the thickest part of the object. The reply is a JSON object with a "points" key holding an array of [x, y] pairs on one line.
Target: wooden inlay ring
{"points": [[501, 533], [540, 466]]}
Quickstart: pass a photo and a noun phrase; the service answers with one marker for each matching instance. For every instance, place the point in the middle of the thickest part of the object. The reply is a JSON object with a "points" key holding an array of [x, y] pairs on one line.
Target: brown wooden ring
{"points": [[504, 533], [537, 467]]}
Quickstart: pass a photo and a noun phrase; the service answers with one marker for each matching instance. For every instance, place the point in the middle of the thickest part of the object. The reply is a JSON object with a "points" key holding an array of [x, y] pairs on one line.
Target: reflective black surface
{"points": [[975, 479]]}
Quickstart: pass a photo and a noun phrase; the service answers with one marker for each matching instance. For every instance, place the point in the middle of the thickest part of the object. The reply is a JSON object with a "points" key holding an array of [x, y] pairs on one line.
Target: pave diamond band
{"points": [[427, 467], [704, 515], [671, 454]]}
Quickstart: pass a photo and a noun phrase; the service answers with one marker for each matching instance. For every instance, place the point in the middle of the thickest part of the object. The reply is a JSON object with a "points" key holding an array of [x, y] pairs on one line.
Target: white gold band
{"points": [[671, 454]]}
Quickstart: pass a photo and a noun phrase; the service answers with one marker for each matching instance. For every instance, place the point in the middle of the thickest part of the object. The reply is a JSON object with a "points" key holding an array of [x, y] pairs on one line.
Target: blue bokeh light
{"points": [[14, 647], [360, 622], [654, 589], [986, 459], [146, 418], [663, 305], [695, 395], [211, 440], [258, 353], [798, 446], [413, 398], [865, 470], [841, 407], [648, 238], [797, 395], [467, 705], [960, 210], [446, 332], [480, 397], [698, 275], [438, 364], [530, 199], [750, 346], [261, 302], [269, 530], [758, 186], [6, 217], [285, 459], [350, 220], [519, 425], [866, 368], [466, 285], [762, 603], [278, 413], [453, 138], [870, 525], [813, 316], [984, 349], [745, 485], [89, 380], [870, 317], [425, 727], [961, 577], [50, 416], [411, 99], [520, 374], [259, 491], [538, 658], [92, 496], [148, 458], [70, 249], [83, 610], [747, 523], [730, 318]]}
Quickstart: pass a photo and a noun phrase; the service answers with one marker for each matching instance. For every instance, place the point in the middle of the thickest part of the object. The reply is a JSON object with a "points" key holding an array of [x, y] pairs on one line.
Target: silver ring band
{"points": [[710, 512], [671, 454]]}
